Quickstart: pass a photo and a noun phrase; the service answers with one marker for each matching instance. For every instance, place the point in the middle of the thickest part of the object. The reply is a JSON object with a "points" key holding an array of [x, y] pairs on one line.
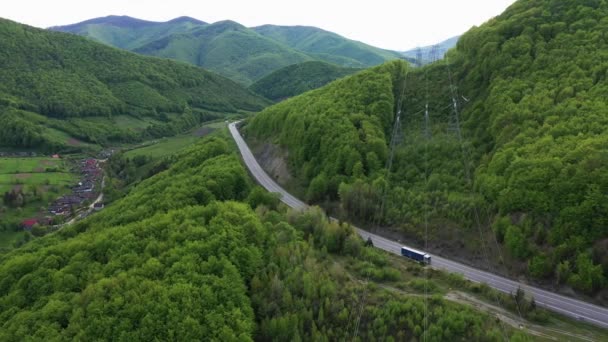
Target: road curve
{"points": [[574, 308]]}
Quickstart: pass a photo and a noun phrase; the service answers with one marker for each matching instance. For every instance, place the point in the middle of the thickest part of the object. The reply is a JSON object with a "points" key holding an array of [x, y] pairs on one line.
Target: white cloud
{"points": [[390, 24]]}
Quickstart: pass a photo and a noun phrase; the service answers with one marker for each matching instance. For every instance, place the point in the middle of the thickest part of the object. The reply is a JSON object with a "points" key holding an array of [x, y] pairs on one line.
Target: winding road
{"points": [[574, 308]]}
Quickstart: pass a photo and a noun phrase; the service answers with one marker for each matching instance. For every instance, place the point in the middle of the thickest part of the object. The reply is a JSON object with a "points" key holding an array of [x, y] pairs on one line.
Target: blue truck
{"points": [[413, 254]]}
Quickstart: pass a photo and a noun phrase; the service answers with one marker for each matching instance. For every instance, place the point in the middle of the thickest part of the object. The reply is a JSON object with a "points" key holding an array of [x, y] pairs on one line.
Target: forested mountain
{"points": [[129, 33], [197, 252], [436, 51], [337, 133], [55, 87], [298, 78], [327, 46], [530, 87], [228, 48]]}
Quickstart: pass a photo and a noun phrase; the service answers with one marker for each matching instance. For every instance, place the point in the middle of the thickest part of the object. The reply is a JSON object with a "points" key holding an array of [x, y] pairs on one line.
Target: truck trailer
{"points": [[413, 254]]}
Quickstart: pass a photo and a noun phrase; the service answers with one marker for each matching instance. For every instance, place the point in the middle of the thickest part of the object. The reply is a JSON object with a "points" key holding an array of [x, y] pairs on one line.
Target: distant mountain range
{"points": [[229, 48], [427, 52], [327, 46], [129, 33]]}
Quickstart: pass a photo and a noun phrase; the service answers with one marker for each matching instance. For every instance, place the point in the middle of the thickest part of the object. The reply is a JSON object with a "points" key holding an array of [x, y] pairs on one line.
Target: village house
{"points": [[28, 224], [83, 191]]}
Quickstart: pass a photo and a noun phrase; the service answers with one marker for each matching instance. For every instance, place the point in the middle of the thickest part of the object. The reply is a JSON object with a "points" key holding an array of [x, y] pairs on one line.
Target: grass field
{"points": [[167, 146], [216, 125], [44, 178], [62, 137], [125, 121], [163, 146], [28, 165], [34, 172]]}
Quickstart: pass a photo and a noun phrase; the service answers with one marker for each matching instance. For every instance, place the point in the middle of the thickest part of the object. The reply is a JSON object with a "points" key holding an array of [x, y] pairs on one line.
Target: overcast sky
{"points": [[389, 24]]}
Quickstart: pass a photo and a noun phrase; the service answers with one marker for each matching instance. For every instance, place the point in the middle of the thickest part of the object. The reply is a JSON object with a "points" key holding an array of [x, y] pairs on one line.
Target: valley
{"points": [[249, 177]]}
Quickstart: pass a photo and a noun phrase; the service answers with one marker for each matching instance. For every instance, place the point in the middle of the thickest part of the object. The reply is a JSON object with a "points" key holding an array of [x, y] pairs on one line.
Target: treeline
{"points": [[197, 252], [530, 87], [30, 130], [17, 131]]}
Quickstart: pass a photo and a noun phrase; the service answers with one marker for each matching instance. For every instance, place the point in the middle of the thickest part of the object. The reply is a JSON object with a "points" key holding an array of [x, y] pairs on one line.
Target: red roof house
{"points": [[29, 223]]}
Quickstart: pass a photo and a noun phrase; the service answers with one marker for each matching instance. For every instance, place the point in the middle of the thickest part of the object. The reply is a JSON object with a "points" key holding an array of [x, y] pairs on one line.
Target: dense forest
{"points": [[197, 252], [227, 48], [54, 86], [298, 78], [525, 156], [335, 134]]}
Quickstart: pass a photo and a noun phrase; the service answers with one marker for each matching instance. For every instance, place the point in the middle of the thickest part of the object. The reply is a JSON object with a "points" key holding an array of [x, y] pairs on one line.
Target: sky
{"points": [[390, 24]]}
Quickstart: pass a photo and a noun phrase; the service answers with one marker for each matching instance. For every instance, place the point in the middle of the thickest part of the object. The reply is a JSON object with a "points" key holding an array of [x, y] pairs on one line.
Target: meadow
{"points": [[33, 164], [34, 171], [40, 180], [166, 146]]}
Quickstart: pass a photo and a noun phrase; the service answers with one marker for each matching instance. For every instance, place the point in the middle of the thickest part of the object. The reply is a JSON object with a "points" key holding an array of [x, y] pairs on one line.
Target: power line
{"points": [[467, 173], [395, 135], [466, 162], [394, 138], [427, 136]]}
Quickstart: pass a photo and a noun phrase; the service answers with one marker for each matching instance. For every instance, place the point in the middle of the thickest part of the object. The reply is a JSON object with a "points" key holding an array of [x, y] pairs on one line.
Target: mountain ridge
{"points": [[124, 21], [185, 18], [227, 48], [315, 40], [245, 55]]}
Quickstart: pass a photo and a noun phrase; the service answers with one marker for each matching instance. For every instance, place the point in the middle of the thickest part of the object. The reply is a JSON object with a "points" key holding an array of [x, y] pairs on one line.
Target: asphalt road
{"points": [[558, 303]]}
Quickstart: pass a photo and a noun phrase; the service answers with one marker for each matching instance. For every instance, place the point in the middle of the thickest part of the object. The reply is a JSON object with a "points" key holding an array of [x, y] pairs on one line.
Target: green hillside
{"points": [[129, 33], [227, 48], [242, 54], [59, 90], [197, 252], [531, 89], [328, 46], [298, 78], [336, 133]]}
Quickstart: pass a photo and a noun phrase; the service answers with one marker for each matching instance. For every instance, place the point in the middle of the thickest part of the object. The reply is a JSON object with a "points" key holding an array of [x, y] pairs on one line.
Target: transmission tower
{"points": [[434, 54], [419, 61]]}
